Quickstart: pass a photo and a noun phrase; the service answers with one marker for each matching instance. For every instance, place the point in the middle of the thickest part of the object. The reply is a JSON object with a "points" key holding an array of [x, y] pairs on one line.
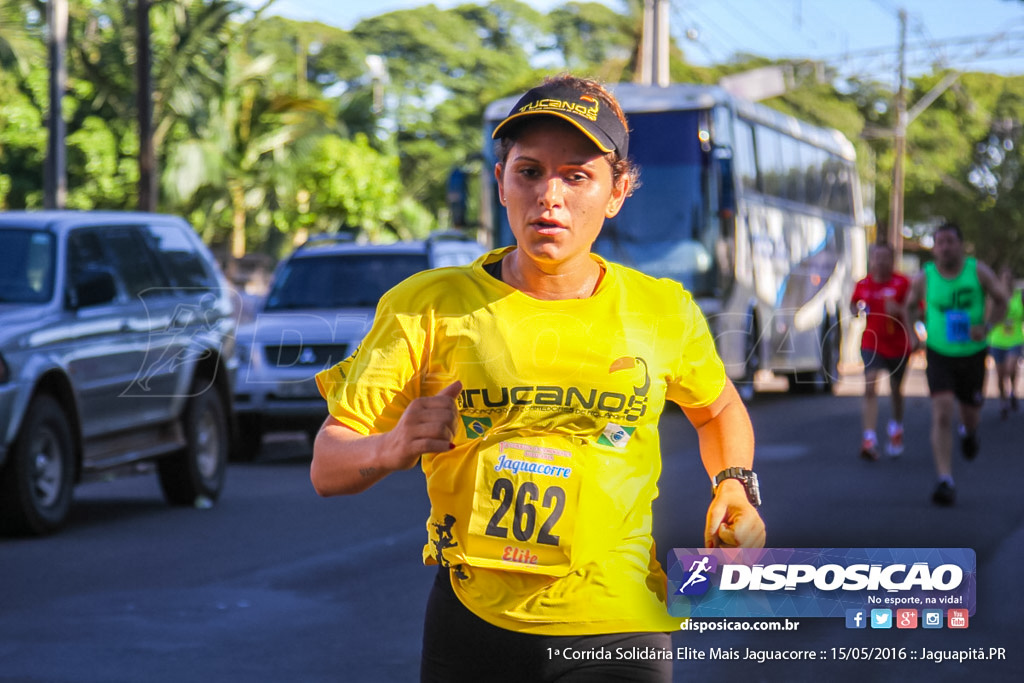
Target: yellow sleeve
{"points": [[699, 374], [368, 391]]}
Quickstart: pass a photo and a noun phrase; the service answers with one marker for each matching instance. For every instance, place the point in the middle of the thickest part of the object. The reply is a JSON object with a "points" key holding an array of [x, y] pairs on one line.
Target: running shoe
{"points": [[969, 445], [944, 494], [895, 446], [868, 449]]}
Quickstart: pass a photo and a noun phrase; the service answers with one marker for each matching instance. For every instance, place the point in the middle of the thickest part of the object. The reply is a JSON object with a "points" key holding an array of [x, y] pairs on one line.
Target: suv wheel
{"points": [[197, 472], [36, 484]]}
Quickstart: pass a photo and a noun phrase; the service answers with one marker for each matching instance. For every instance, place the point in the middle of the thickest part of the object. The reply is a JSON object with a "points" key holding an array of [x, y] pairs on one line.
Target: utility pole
{"points": [[896, 203], [654, 44], [55, 176], [144, 104]]}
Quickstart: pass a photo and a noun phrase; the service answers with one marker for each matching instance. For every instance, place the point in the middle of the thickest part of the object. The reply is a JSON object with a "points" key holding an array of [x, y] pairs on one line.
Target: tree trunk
{"points": [[237, 221]]}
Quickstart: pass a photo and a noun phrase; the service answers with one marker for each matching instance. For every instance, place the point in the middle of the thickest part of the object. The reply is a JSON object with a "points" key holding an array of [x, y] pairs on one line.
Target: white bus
{"points": [[756, 213]]}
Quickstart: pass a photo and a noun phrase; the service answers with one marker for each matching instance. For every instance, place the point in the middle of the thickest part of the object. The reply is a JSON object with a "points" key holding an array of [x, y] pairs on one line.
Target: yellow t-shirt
{"points": [[543, 508]]}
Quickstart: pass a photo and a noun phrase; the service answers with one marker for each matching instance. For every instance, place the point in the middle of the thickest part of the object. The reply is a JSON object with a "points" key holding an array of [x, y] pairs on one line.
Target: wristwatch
{"points": [[746, 476]]}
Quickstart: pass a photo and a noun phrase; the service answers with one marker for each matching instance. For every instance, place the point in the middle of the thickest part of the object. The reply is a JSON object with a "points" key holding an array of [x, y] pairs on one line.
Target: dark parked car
{"points": [[116, 347], [320, 305]]}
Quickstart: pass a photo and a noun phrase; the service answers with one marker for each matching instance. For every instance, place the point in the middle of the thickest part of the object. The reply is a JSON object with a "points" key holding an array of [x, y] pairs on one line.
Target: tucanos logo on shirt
{"points": [[610, 404], [639, 368]]}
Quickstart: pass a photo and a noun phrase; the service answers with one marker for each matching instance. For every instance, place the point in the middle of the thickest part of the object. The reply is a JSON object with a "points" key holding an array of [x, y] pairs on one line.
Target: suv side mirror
{"points": [[92, 288]]}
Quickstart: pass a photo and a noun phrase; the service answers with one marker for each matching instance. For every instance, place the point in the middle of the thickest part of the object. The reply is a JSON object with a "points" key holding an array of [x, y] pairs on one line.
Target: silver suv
{"points": [[320, 305], [116, 345]]}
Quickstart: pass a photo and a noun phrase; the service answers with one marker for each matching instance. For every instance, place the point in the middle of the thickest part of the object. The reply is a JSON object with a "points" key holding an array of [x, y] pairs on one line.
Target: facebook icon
{"points": [[856, 618]]}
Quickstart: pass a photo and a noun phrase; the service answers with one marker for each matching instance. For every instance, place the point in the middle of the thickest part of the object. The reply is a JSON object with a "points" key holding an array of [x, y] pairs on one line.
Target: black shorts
{"points": [[459, 646], [895, 366], [963, 375]]}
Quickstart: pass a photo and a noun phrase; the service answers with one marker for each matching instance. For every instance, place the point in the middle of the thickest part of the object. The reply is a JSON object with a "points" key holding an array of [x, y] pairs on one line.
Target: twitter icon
{"points": [[881, 618]]}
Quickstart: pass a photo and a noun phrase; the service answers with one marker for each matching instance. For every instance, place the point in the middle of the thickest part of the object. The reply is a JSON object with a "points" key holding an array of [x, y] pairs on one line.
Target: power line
{"points": [[693, 36], [720, 33], [923, 54], [703, 37], [742, 19], [823, 18]]}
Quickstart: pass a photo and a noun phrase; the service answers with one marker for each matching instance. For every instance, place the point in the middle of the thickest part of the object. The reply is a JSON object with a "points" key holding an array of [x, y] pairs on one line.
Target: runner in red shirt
{"points": [[885, 346]]}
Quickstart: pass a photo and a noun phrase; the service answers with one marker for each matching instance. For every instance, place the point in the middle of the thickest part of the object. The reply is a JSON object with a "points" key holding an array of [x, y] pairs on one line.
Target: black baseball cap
{"points": [[595, 120]]}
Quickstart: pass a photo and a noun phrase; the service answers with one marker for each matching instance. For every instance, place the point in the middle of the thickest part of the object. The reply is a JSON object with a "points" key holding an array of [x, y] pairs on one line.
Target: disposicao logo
{"points": [[696, 579], [785, 582]]}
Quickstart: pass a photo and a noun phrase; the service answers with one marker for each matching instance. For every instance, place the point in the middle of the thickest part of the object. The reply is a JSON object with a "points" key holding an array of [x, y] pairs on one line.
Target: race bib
{"points": [[525, 504], [958, 326]]}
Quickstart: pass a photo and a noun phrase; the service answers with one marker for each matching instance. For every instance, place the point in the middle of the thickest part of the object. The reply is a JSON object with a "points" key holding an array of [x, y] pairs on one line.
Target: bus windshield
{"points": [[662, 229]]}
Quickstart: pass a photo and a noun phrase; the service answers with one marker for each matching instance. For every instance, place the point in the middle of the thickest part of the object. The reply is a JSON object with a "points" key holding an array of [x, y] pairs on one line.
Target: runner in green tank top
{"points": [[952, 307], [954, 290], [1005, 344]]}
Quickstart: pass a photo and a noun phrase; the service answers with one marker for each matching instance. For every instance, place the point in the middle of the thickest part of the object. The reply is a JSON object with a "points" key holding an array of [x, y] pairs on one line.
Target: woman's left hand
{"points": [[732, 522]]}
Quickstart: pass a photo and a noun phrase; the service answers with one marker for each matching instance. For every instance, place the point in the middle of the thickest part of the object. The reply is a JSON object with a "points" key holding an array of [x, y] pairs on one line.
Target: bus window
{"points": [[726, 188], [793, 178], [814, 161], [722, 127], [743, 156], [769, 161], [844, 191], [837, 187]]}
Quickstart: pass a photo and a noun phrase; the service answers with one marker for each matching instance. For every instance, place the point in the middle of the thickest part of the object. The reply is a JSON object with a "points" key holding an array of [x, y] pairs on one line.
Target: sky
{"points": [[857, 36]]}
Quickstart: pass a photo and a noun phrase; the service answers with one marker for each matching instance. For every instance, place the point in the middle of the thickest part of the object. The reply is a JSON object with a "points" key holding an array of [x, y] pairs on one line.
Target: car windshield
{"points": [[341, 280], [26, 266]]}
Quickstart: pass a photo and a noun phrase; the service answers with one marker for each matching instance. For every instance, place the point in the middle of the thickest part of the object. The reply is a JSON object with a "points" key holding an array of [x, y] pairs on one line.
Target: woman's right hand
{"points": [[428, 425], [346, 462]]}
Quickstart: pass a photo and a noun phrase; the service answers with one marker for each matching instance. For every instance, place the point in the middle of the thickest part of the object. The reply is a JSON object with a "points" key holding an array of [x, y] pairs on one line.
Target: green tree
{"points": [[22, 145], [237, 167], [352, 186], [996, 174], [19, 39]]}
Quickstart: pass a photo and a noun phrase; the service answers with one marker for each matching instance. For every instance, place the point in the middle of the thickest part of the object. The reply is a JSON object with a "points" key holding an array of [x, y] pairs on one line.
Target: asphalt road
{"points": [[275, 584]]}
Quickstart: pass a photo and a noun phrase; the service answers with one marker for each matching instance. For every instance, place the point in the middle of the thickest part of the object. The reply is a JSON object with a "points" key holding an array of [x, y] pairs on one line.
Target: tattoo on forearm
{"points": [[367, 472]]}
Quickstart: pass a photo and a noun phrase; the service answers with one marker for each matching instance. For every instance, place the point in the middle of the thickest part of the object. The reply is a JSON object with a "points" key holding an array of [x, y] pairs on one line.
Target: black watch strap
{"points": [[748, 479]]}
